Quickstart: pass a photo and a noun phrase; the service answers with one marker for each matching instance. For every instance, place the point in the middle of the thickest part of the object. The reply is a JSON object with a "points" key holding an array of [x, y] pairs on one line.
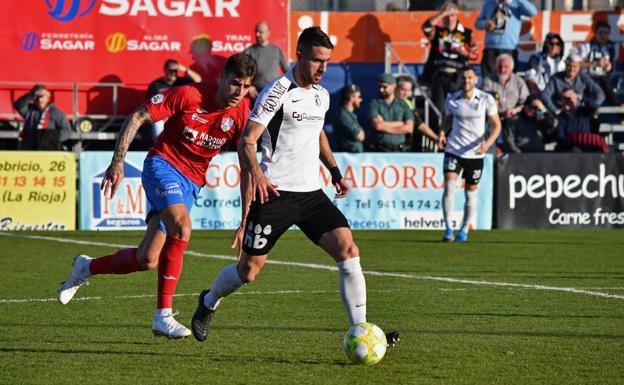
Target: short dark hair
{"points": [[348, 91], [313, 37], [602, 24], [170, 62], [466, 68], [405, 79], [241, 65]]}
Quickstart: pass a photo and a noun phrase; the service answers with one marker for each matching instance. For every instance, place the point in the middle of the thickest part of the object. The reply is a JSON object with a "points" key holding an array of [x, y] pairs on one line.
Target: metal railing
{"points": [[76, 89]]}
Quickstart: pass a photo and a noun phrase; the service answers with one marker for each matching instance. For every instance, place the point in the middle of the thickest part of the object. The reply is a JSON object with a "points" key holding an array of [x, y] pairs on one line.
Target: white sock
{"points": [[353, 290], [470, 208], [448, 202], [226, 283], [164, 312]]}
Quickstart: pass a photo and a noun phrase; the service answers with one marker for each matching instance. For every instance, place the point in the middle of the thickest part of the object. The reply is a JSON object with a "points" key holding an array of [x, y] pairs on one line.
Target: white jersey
{"points": [[293, 117], [469, 119]]}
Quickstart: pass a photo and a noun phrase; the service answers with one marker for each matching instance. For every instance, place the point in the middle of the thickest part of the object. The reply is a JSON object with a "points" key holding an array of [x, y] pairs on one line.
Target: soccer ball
{"points": [[365, 343]]}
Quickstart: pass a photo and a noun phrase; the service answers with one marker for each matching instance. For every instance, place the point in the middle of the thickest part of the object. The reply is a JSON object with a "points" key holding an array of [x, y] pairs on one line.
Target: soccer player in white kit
{"points": [[284, 189], [465, 114]]}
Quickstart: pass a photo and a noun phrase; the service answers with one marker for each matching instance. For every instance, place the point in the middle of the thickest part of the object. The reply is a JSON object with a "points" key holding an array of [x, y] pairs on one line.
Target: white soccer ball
{"points": [[365, 343]]}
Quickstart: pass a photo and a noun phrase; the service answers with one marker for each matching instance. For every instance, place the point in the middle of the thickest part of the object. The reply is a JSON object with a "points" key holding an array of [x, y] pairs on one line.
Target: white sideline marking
{"points": [[334, 268], [141, 296]]}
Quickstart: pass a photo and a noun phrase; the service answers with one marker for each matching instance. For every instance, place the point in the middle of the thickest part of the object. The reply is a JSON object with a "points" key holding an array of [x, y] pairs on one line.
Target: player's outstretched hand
{"points": [[262, 187], [238, 240], [112, 178], [342, 189]]}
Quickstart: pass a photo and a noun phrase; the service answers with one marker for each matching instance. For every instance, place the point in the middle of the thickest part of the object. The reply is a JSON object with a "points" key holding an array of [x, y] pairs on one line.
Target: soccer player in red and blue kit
{"points": [[201, 121]]}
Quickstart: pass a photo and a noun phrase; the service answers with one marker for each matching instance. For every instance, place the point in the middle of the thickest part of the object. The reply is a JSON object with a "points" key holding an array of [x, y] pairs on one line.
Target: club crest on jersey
{"points": [[317, 99], [157, 99], [226, 124]]}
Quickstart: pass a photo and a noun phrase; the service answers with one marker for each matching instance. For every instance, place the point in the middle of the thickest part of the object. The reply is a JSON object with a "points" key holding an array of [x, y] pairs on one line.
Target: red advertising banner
{"points": [[124, 41], [360, 37]]}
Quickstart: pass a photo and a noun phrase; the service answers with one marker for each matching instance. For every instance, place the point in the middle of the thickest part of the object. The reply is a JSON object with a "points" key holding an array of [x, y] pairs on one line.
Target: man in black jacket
{"points": [[45, 126]]}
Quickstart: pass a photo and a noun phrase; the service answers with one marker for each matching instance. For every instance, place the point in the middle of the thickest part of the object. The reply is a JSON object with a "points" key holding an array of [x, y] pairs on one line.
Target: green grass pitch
{"points": [[509, 307]]}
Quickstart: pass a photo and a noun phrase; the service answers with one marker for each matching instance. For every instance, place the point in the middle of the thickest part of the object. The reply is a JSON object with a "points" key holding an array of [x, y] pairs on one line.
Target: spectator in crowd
{"points": [[403, 90], [589, 92], [348, 133], [45, 126], [269, 57], [599, 55], [170, 78], [574, 126], [451, 48], [501, 20], [509, 90], [391, 119], [534, 127], [544, 65]]}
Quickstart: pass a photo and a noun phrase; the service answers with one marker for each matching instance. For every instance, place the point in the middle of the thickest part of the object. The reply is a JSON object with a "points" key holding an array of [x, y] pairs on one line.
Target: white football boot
{"points": [[167, 326], [79, 275]]}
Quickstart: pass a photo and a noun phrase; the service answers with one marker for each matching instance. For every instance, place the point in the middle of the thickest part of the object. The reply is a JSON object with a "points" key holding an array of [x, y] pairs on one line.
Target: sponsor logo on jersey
{"points": [[254, 235], [66, 11], [203, 139], [158, 98], [226, 124], [307, 117], [118, 42], [198, 118], [57, 41], [273, 98]]}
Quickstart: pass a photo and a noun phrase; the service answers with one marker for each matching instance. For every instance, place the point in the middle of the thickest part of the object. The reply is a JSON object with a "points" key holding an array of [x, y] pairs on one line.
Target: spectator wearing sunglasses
{"points": [[544, 65]]}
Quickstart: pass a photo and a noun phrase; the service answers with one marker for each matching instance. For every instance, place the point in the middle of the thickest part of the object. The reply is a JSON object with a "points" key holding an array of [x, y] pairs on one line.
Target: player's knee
{"points": [[348, 251], [180, 229], [147, 262]]}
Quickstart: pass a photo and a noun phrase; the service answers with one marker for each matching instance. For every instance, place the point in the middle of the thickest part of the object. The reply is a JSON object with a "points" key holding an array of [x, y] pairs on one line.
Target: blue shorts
{"points": [[164, 186]]}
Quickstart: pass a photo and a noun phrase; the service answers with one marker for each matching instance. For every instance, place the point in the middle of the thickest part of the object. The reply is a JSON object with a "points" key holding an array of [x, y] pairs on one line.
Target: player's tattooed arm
{"points": [[114, 173], [128, 131]]}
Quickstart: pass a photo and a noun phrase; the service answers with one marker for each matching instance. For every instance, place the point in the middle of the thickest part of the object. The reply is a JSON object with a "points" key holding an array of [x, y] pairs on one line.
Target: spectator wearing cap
{"points": [[391, 119], [534, 127], [588, 91], [544, 65], [45, 126], [501, 20], [599, 55], [348, 133], [574, 126], [451, 48]]}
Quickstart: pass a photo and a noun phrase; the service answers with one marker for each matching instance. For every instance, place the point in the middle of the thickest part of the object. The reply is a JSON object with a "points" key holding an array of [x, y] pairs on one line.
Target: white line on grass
{"points": [[334, 268], [141, 296]]}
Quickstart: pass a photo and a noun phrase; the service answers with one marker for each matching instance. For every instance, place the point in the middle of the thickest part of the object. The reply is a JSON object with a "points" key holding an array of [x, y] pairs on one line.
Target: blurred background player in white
{"points": [[465, 113], [201, 120], [285, 189]]}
